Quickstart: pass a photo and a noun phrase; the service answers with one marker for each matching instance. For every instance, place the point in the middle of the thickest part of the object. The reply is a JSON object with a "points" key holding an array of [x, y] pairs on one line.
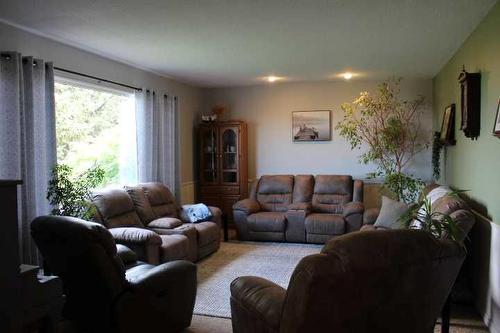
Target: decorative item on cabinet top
{"points": [[470, 101], [223, 165]]}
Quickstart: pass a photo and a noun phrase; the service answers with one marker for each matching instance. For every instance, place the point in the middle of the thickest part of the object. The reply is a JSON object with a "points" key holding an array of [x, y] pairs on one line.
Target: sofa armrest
{"points": [[256, 304], [216, 215], [126, 255], [145, 243], [370, 215], [135, 235], [300, 206], [296, 216], [353, 208], [353, 215], [171, 275], [248, 206], [163, 295]]}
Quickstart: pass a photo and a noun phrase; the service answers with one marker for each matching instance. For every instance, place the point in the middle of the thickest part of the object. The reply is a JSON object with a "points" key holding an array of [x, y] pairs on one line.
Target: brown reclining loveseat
{"points": [[147, 219], [300, 208]]}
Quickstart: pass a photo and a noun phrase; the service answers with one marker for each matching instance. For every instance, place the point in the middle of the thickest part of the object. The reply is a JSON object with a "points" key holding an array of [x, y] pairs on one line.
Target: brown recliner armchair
{"points": [[101, 296], [386, 281]]}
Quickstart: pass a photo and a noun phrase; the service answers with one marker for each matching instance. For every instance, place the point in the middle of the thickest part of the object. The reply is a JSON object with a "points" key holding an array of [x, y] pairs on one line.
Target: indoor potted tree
{"points": [[390, 129], [69, 194]]}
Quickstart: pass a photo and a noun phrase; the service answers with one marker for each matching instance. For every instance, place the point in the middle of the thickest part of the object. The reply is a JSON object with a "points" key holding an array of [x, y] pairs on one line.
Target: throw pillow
{"points": [[389, 215], [196, 213], [432, 196]]}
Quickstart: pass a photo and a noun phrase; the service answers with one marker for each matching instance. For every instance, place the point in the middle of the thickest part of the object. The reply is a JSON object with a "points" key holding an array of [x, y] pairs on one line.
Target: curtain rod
{"points": [[97, 78]]}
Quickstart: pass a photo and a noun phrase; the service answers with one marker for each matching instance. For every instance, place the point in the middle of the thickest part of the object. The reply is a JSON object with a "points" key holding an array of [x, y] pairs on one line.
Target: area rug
{"points": [[272, 261]]}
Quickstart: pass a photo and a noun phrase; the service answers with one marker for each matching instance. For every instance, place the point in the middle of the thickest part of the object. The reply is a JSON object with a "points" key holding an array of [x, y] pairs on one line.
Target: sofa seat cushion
{"points": [[325, 224], [208, 232], [174, 247], [165, 223], [267, 222]]}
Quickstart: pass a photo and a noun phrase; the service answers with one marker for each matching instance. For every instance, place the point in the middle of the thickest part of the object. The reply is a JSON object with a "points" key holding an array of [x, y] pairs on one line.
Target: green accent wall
{"points": [[474, 165]]}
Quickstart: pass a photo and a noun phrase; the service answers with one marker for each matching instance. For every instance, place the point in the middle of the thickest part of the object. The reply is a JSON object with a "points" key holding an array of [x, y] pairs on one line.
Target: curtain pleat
{"points": [[30, 82], [156, 119]]}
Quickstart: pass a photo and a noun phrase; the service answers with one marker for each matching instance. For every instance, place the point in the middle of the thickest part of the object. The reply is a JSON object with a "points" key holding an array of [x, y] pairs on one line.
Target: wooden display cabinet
{"points": [[223, 164]]}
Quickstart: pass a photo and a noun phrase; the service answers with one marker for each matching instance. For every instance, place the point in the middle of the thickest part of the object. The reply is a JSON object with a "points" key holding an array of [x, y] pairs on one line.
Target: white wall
{"points": [[190, 98], [267, 109]]}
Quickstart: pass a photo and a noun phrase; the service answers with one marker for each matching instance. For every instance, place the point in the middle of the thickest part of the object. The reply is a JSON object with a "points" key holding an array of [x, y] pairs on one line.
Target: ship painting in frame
{"points": [[311, 126]]}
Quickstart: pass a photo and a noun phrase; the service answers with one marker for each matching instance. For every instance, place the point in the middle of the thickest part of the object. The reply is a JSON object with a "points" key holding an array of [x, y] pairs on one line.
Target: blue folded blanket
{"points": [[197, 213]]}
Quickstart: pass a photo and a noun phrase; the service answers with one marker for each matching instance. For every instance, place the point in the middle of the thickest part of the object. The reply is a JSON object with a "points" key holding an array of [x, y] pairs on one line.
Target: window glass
{"points": [[96, 126]]}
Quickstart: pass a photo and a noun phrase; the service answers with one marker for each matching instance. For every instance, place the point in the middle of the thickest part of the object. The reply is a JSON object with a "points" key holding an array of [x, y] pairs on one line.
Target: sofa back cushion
{"points": [[141, 203], [162, 201], [274, 193], [303, 188], [331, 193], [115, 208]]}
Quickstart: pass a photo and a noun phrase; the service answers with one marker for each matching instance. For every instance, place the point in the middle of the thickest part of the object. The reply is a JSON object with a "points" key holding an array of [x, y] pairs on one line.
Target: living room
{"points": [[165, 72]]}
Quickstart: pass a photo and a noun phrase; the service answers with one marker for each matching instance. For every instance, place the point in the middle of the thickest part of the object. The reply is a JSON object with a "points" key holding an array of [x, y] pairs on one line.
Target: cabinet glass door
{"points": [[209, 155], [230, 153]]}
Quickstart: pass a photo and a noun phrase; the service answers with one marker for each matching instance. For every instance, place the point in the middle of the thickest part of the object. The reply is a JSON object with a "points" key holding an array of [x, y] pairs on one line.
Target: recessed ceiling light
{"points": [[347, 75], [272, 78]]}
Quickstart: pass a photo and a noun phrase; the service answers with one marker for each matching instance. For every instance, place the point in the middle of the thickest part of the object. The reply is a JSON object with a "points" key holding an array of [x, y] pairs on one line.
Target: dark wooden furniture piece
{"points": [[448, 126], [496, 127], [29, 301], [470, 85], [225, 227], [223, 164]]}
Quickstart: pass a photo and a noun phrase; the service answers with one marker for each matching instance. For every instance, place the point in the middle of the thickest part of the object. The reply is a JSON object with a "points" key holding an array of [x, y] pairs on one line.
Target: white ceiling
{"points": [[214, 43]]}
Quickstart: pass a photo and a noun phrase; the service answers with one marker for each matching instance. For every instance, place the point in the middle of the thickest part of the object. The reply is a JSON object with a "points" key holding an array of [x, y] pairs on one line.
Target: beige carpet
{"points": [[273, 261]]}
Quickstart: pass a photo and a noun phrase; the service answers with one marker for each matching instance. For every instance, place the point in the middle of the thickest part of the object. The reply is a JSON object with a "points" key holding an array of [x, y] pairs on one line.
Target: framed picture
{"points": [[448, 125], [310, 126], [496, 128]]}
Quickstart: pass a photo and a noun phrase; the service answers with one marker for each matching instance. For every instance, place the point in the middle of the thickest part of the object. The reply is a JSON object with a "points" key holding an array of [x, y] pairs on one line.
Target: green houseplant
{"points": [[422, 216], [390, 129], [69, 194]]}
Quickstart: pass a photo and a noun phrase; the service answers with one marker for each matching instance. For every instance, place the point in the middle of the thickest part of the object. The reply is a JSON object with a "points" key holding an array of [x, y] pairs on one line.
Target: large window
{"points": [[96, 125]]}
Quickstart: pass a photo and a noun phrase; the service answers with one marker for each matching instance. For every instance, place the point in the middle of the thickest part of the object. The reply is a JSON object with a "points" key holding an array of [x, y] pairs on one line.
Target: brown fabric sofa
{"points": [[147, 219], [385, 281], [104, 296], [300, 208]]}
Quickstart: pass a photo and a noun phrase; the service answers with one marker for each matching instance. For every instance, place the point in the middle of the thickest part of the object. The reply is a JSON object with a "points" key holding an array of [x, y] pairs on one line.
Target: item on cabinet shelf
{"points": [[496, 128], [224, 175], [448, 126], [470, 85], [311, 126]]}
